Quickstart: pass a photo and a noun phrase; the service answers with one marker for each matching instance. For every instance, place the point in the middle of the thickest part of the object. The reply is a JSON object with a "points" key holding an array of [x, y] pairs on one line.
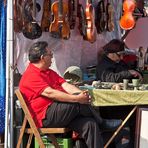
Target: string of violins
{"points": [[60, 17]]}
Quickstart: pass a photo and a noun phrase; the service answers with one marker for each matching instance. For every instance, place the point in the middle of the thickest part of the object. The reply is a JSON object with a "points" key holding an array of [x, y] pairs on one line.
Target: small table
{"points": [[108, 97]]}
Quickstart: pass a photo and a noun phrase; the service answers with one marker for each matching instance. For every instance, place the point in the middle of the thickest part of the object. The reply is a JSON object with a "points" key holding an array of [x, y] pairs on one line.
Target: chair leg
{"points": [[54, 140], [22, 130], [29, 140]]}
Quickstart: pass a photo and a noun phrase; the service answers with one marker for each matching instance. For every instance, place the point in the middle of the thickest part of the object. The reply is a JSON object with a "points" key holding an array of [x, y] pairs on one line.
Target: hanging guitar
{"points": [[72, 5], [59, 28], [100, 20], [45, 23], [82, 20], [31, 29], [90, 22], [110, 19], [18, 19]]}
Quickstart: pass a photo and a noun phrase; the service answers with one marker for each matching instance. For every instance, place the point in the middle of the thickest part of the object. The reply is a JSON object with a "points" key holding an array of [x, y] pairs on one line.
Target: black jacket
{"points": [[110, 71]]}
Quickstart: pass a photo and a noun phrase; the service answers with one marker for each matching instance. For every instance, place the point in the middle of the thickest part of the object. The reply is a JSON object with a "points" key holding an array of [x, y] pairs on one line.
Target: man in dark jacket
{"points": [[110, 66]]}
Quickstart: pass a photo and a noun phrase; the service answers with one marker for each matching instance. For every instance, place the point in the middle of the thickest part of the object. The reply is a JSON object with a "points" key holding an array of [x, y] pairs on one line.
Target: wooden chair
{"points": [[33, 130]]}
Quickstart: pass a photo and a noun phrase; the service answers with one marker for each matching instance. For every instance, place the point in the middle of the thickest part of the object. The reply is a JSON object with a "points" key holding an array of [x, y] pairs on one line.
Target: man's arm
{"points": [[60, 96], [109, 76], [71, 89]]}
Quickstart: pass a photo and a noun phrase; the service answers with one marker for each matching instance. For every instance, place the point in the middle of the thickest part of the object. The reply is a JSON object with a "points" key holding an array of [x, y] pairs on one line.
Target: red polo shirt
{"points": [[32, 84]]}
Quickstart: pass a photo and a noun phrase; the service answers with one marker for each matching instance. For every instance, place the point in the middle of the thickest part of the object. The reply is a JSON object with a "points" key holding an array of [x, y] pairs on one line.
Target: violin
{"points": [[45, 23], [127, 21], [72, 5], [82, 20], [31, 29], [110, 14], [18, 19], [100, 20], [59, 27], [90, 23]]}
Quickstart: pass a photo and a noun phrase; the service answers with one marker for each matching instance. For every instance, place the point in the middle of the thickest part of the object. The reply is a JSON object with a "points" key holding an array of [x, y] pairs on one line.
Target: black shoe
{"points": [[110, 124]]}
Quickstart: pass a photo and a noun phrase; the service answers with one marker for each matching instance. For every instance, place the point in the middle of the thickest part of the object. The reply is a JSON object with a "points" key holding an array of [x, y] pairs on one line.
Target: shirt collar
{"points": [[38, 69]]}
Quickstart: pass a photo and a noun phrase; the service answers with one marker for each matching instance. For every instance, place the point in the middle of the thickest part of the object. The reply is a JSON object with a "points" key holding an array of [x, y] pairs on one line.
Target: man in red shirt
{"points": [[55, 103]]}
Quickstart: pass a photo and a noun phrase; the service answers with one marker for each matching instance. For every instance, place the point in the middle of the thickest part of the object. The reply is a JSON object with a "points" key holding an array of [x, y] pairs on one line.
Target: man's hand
{"points": [[84, 97], [135, 73]]}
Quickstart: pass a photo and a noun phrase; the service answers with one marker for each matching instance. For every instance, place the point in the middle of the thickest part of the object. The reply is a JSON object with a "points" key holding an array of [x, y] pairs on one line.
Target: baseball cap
{"points": [[115, 46]]}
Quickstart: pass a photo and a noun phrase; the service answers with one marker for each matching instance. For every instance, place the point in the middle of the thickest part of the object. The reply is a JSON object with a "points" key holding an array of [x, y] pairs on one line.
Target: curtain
{"points": [[2, 64]]}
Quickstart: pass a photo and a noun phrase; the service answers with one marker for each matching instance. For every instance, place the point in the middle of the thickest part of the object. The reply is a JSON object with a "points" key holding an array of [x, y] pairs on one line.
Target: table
{"points": [[107, 97]]}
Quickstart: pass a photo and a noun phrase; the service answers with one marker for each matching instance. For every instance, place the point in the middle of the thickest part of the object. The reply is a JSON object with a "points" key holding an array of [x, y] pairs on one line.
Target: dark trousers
{"points": [[78, 117]]}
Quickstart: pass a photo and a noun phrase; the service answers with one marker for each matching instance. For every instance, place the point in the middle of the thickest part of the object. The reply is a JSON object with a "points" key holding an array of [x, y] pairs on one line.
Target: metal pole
{"points": [[9, 77]]}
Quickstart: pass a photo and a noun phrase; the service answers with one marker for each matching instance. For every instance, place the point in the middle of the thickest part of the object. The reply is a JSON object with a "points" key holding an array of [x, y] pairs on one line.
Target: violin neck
{"points": [[75, 7], [89, 2], [60, 8], [34, 9]]}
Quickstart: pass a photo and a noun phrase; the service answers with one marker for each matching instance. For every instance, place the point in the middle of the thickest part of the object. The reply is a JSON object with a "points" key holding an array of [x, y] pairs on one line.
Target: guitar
{"points": [[82, 20], [100, 20], [90, 23], [45, 23], [18, 19], [31, 29], [59, 27], [72, 5], [110, 14]]}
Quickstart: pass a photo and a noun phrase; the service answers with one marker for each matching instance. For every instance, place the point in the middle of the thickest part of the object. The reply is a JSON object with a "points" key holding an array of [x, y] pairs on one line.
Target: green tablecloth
{"points": [[106, 97]]}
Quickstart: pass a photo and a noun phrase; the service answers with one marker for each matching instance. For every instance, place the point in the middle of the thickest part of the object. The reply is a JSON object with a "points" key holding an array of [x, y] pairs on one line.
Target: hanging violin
{"points": [[45, 23], [59, 28], [127, 21], [18, 18], [110, 14], [82, 20], [100, 21], [31, 29], [72, 5], [90, 23]]}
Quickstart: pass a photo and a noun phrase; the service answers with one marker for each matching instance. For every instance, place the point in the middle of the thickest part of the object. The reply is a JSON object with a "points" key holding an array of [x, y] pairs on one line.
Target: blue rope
{"points": [[2, 65]]}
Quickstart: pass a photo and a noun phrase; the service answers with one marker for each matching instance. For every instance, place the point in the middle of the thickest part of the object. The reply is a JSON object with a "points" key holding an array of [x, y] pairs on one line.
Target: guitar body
{"points": [[45, 23], [90, 24], [110, 14], [59, 28]]}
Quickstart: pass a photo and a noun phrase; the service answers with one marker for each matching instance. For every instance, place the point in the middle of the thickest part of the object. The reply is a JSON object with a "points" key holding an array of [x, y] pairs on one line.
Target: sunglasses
{"points": [[119, 54]]}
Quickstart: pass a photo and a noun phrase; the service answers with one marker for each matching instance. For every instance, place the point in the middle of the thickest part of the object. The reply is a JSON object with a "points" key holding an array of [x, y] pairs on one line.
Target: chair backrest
{"points": [[29, 118]]}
